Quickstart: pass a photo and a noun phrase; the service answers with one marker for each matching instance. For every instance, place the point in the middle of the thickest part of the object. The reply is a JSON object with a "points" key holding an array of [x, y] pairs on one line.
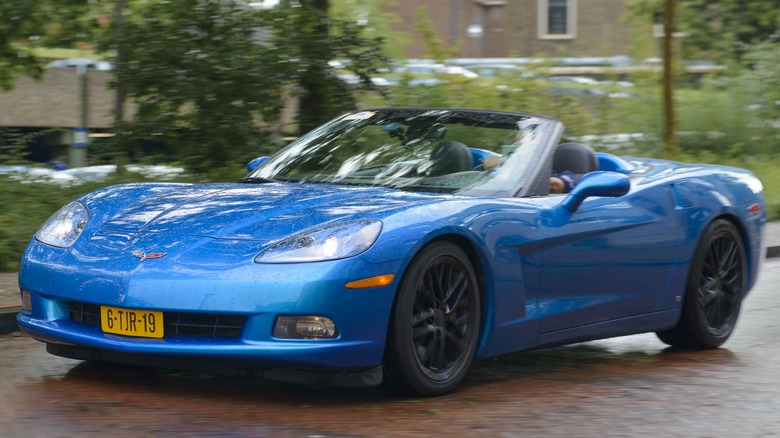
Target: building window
{"points": [[557, 19]]}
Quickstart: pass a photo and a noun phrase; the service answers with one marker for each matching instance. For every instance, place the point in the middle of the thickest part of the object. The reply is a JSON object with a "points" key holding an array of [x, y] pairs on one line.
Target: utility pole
{"points": [[454, 23], [117, 23], [314, 105], [670, 138]]}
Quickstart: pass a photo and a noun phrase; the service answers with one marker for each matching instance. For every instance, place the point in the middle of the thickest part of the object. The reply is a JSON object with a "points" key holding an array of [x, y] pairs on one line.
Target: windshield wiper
{"points": [[255, 180]]}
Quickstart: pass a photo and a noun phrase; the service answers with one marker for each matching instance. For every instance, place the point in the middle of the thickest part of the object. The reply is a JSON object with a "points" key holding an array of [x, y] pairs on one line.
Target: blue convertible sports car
{"points": [[405, 242]]}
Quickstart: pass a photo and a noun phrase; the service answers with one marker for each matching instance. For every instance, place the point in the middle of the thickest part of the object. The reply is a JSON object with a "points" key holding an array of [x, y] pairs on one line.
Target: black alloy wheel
{"points": [[435, 323], [716, 286]]}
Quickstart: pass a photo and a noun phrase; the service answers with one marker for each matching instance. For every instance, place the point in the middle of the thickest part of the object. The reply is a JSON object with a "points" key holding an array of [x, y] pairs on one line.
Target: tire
{"points": [[435, 323], [716, 286]]}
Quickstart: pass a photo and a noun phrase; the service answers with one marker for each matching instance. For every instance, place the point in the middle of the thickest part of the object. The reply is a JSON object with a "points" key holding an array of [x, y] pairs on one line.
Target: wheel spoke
{"points": [[459, 330], [730, 258], [439, 283], [430, 288], [442, 361], [423, 330], [457, 291], [443, 290], [721, 283], [716, 286], [421, 316], [424, 351], [707, 293]]}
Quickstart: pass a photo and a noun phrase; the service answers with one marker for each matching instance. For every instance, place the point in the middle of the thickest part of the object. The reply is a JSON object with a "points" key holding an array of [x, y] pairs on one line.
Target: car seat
{"points": [[450, 157], [577, 158]]}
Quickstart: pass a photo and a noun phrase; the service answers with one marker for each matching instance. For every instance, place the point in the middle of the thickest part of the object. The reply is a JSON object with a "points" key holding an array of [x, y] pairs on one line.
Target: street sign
{"points": [[80, 137]]}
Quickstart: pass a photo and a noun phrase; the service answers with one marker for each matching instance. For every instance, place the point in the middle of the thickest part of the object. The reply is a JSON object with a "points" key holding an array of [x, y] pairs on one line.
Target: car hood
{"points": [[252, 211]]}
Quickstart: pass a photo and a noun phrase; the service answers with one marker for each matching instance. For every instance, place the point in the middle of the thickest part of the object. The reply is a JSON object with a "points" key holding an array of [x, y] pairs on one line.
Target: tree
{"points": [[670, 140], [209, 77], [736, 23], [27, 25], [718, 30], [206, 86], [314, 39], [22, 20], [757, 83], [435, 45], [375, 22]]}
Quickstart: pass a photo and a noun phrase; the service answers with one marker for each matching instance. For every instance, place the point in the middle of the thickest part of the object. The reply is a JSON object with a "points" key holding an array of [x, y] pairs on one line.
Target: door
{"points": [[613, 258]]}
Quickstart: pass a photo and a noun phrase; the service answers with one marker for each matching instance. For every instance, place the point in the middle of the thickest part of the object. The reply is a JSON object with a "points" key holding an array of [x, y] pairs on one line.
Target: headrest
{"points": [[577, 158], [450, 157]]}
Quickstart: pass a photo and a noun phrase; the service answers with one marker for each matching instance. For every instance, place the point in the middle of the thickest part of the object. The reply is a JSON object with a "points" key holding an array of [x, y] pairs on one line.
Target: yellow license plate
{"points": [[131, 322]]}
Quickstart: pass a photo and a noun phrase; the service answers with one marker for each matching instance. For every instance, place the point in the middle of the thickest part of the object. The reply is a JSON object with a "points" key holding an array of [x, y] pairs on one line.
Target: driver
{"points": [[563, 182]]}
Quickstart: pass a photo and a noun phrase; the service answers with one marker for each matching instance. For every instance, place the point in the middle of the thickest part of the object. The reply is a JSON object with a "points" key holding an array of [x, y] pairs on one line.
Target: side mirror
{"points": [[610, 184], [254, 164]]}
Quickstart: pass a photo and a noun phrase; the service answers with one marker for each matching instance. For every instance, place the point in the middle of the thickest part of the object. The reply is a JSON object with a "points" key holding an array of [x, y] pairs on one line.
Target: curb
{"points": [[8, 314], [8, 320]]}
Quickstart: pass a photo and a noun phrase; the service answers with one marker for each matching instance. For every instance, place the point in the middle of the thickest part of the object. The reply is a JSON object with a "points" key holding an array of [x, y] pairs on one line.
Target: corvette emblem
{"points": [[144, 256]]}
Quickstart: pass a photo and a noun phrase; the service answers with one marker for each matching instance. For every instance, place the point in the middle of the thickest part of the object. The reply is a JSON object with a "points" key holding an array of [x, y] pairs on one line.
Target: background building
{"points": [[521, 28]]}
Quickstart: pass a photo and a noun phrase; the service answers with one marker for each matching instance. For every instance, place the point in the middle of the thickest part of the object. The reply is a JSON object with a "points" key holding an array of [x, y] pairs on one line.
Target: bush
{"points": [[720, 124], [26, 206]]}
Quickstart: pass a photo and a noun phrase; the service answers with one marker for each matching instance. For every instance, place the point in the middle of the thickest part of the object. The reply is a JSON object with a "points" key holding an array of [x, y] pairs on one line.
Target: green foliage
{"points": [[21, 20], [211, 78], [522, 94], [737, 24], [718, 30], [29, 26], [435, 45], [25, 208], [758, 81], [375, 21], [727, 119], [12, 143], [767, 169], [311, 38], [715, 124], [200, 79], [27, 205]]}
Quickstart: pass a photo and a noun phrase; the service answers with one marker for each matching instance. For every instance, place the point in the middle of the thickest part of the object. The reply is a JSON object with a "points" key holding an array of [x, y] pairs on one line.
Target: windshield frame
{"points": [[520, 174]]}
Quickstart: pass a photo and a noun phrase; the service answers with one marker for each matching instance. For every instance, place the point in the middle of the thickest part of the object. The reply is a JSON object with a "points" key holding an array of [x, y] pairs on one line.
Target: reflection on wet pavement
{"points": [[631, 386]]}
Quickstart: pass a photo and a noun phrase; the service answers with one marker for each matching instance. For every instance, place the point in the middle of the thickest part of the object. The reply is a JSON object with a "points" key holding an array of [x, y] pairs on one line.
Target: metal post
{"points": [[454, 23], [77, 154]]}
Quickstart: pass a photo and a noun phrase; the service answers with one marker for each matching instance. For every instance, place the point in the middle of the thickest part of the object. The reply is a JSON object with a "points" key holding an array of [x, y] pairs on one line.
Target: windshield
{"points": [[414, 149]]}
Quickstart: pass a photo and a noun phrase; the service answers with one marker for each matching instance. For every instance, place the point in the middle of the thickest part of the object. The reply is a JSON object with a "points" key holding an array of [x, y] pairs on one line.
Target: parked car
{"points": [[433, 69], [398, 245], [585, 86], [428, 73]]}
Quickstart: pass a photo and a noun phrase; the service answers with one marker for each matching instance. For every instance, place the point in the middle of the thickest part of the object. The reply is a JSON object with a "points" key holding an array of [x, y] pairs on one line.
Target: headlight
{"points": [[329, 243], [64, 226]]}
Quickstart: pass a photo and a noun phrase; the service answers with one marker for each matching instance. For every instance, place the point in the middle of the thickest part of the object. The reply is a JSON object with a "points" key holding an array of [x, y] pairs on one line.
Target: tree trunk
{"points": [[314, 105], [119, 108], [670, 139]]}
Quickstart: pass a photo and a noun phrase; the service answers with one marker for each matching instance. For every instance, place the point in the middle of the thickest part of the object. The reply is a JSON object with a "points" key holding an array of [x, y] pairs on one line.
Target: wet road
{"points": [[631, 386]]}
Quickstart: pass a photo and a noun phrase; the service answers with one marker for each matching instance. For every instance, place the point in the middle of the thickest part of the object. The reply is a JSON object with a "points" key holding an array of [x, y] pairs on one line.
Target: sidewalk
{"points": [[10, 300]]}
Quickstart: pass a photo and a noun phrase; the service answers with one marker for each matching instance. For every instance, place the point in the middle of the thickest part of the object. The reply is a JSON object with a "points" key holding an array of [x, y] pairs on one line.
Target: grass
{"points": [[769, 174], [47, 53]]}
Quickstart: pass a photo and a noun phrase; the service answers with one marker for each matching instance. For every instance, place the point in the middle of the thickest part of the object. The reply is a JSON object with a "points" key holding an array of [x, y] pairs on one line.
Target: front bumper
{"points": [[336, 353], [257, 293]]}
